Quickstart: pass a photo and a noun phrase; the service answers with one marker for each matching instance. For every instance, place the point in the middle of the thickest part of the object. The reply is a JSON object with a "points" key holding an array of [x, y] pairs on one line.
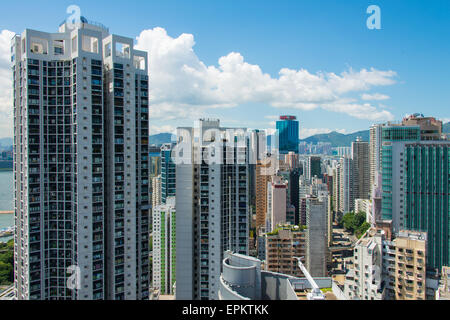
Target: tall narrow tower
{"points": [[212, 205]]}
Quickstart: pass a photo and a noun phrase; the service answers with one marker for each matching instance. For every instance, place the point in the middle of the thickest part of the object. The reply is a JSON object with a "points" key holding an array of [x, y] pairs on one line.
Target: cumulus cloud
{"points": [[6, 86], [373, 97], [184, 87], [180, 79]]}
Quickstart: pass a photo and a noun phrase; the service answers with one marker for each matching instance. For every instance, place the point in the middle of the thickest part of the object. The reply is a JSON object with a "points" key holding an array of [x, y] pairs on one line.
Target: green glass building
{"points": [[427, 199], [389, 135]]}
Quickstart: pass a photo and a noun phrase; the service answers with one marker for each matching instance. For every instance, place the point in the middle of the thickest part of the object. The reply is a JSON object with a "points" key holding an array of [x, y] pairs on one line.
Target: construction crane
{"points": [[316, 293]]}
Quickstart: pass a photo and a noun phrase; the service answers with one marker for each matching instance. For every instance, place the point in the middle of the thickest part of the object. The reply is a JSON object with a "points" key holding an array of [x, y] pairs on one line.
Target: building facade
{"points": [[80, 103], [262, 180], [317, 236], [288, 130], [282, 246], [212, 206], [361, 165], [164, 247], [168, 172]]}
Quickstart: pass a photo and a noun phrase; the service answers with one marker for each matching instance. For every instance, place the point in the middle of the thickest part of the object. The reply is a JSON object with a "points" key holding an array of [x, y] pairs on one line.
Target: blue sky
{"points": [[321, 37]]}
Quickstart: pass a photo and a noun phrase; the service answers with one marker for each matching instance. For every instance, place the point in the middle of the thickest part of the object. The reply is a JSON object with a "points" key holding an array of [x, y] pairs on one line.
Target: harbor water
{"points": [[6, 201]]}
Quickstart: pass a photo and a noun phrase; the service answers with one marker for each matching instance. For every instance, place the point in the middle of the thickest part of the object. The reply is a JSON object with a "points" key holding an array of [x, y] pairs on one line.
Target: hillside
{"points": [[6, 142], [160, 139], [345, 140], [335, 138], [338, 139]]}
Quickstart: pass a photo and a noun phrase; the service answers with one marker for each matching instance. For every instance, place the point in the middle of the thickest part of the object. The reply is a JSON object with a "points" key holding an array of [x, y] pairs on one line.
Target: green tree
{"points": [[7, 263], [362, 229], [355, 223], [348, 221]]}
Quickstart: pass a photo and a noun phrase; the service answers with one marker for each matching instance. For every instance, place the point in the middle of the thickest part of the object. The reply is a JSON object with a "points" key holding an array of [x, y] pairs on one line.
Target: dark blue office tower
{"points": [[288, 129]]}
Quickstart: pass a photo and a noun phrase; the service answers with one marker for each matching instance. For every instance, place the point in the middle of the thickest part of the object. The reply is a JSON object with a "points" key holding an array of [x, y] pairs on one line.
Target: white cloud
{"points": [[375, 96], [359, 111], [6, 86], [185, 88], [180, 79], [156, 129]]}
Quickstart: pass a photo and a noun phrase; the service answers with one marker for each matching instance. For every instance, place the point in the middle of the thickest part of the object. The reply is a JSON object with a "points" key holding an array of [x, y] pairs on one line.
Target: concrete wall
{"points": [[276, 286]]}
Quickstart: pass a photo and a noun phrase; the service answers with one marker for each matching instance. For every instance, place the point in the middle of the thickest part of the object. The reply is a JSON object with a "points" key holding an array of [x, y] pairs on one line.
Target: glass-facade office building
{"points": [[288, 130], [415, 188]]}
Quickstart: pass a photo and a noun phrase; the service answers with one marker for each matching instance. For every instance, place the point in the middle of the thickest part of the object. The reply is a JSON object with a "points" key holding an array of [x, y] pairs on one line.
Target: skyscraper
{"points": [[81, 165], [262, 180], [316, 235], [156, 191], [276, 203], [426, 197], [375, 152], [430, 129], [415, 188], [346, 185], [155, 161], [212, 205], [390, 175], [168, 168], [313, 167], [361, 165], [288, 129], [164, 247]]}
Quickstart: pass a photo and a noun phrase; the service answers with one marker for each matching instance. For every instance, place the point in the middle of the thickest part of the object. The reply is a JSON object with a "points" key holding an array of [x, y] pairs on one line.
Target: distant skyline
{"points": [[247, 62]]}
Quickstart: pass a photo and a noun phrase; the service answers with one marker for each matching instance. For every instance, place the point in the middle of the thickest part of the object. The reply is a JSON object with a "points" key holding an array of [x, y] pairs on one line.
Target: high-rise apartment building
{"points": [[288, 130], [155, 161], [313, 167], [375, 152], [212, 205], [156, 191], [81, 165], [258, 145], [164, 247], [410, 266], [346, 185], [336, 190], [276, 202], [361, 165], [364, 280], [317, 235], [262, 180], [168, 174], [388, 269]]}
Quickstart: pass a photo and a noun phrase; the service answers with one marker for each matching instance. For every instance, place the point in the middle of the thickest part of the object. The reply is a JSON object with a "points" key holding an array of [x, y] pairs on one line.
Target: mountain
{"points": [[345, 140], [160, 139], [338, 139], [6, 142]]}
